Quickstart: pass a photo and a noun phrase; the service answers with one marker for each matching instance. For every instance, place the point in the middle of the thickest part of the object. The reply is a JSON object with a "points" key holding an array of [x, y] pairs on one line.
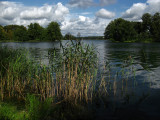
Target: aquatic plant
{"points": [[72, 76]]}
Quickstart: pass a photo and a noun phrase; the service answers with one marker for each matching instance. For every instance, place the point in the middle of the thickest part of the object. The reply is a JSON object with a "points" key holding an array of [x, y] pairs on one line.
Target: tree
{"points": [[155, 27], [138, 27], [54, 32], [109, 31], [20, 34], [10, 29], [120, 30], [2, 33], [146, 22], [69, 36], [35, 31]]}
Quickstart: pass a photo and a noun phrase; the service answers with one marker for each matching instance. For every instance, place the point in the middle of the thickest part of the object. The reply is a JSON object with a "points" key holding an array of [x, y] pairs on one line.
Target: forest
{"points": [[147, 30], [33, 32]]}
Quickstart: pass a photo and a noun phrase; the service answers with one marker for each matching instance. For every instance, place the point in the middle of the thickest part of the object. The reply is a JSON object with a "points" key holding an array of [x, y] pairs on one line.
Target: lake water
{"points": [[140, 97]]}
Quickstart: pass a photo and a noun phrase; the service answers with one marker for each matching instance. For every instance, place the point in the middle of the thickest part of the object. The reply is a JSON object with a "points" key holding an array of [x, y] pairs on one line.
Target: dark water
{"points": [[140, 97]]}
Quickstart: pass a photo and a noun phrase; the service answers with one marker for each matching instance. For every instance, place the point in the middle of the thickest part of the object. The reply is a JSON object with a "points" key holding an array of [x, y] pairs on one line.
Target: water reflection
{"points": [[147, 55]]}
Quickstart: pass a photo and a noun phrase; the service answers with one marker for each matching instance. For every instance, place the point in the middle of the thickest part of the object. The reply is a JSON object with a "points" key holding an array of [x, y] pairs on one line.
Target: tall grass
{"points": [[75, 69], [72, 76]]}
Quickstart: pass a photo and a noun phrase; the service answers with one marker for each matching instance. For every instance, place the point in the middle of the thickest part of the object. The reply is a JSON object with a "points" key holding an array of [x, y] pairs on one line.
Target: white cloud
{"points": [[105, 14], [153, 6], [9, 10], [85, 25], [136, 11], [82, 18], [16, 13]]}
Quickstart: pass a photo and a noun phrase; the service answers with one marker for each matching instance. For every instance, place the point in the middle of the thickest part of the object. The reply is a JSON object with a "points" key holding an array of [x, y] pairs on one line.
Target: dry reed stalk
{"points": [[114, 87]]}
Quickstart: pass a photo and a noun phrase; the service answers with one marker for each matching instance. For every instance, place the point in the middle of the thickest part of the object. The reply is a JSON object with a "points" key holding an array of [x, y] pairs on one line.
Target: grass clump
{"points": [[10, 112], [37, 109]]}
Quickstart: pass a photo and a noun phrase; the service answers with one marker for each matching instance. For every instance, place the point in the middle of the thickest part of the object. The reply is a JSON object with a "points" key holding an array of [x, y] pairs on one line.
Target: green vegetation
{"points": [[53, 32], [69, 36], [34, 32], [69, 88], [93, 38], [125, 31], [54, 91]]}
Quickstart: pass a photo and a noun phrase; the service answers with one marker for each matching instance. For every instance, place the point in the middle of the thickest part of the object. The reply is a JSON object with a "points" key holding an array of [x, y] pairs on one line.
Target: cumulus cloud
{"points": [[105, 14], [136, 11], [84, 25], [16, 13], [49, 12], [9, 10]]}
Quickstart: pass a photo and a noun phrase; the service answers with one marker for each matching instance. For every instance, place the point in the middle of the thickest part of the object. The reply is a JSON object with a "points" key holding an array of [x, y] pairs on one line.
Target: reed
{"points": [[72, 76]]}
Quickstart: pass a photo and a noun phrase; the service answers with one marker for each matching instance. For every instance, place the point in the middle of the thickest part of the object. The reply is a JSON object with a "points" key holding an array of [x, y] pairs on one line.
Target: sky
{"points": [[87, 17]]}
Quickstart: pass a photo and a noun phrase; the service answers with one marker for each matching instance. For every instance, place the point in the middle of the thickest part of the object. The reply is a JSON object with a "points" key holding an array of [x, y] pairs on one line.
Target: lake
{"points": [[140, 96]]}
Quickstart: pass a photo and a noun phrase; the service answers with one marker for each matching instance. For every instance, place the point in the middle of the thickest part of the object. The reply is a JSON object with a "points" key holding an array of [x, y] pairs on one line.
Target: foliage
{"points": [[146, 24], [155, 27], [69, 36], [33, 32], [53, 31], [2, 33], [34, 109], [37, 109], [20, 34], [10, 30], [92, 38], [122, 30], [10, 112]]}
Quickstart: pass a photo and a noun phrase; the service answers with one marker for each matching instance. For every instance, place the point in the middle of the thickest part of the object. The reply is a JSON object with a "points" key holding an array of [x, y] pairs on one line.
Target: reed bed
{"points": [[71, 77]]}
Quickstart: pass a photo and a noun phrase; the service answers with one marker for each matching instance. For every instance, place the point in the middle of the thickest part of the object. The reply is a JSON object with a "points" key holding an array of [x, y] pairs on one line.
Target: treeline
{"points": [[123, 30], [69, 36], [33, 32], [93, 38]]}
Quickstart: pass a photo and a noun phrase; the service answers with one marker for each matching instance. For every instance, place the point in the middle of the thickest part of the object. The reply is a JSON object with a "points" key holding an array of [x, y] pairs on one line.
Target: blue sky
{"points": [[89, 17]]}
